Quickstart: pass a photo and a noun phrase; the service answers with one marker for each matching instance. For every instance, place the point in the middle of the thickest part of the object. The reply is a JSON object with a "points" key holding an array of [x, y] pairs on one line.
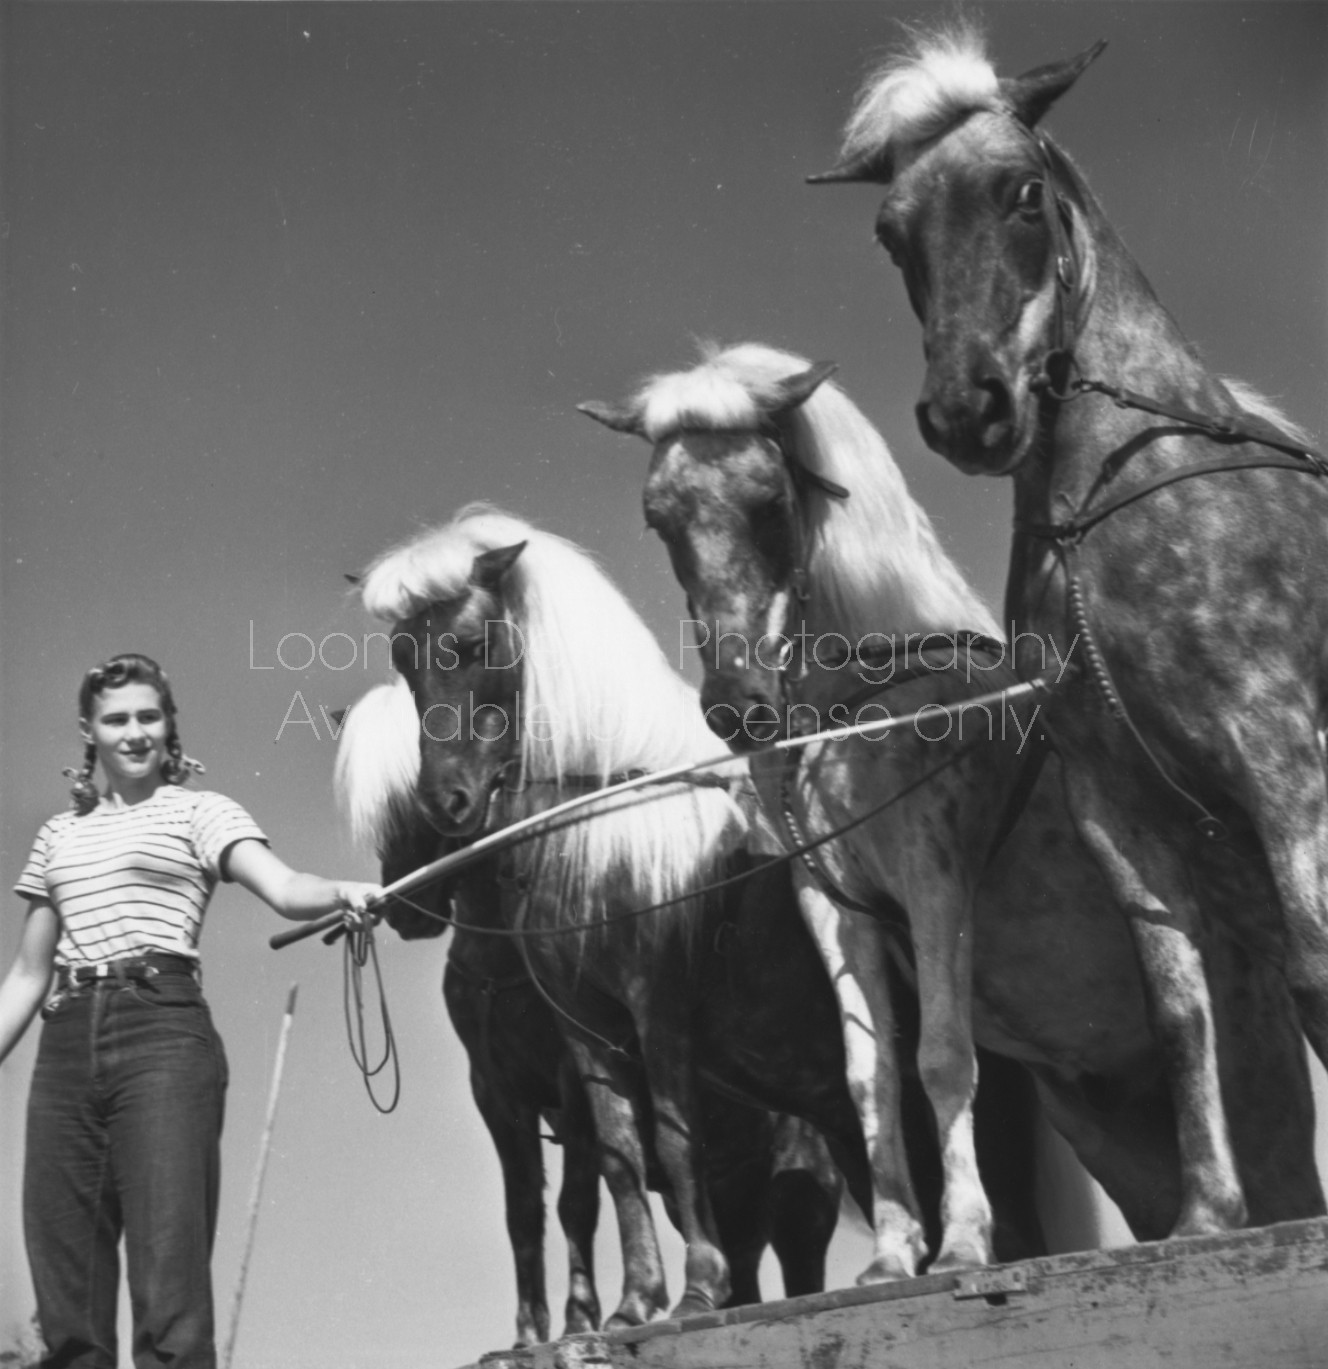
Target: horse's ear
{"points": [[875, 167], [796, 390], [1033, 94], [616, 416], [489, 567]]}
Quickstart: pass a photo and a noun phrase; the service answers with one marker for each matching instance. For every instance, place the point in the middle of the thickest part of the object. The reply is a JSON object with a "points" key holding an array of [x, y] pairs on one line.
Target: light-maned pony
{"points": [[530, 678]]}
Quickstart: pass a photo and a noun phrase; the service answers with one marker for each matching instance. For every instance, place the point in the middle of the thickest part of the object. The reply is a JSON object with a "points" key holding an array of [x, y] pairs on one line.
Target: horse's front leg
{"points": [[939, 914], [1285, 790], [1149, 882], [609, 1090], [854, 949], [578, 1202], [668, 1052], [515, 1133]]}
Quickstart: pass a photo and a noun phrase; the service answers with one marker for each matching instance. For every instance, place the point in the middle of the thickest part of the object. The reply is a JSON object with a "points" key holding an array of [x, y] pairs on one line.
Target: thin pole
{"points": [[264, 1146]]}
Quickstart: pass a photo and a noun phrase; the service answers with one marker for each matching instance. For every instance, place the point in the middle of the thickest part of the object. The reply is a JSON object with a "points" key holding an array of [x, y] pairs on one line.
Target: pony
{"points": [[466, 740], [771, 1178], [527, 675], [1163, 517], [818, 590]]}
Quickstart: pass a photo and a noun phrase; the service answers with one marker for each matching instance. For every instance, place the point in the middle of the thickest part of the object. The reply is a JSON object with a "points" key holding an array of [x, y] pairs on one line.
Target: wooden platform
{"points": [[1255, 1299]]}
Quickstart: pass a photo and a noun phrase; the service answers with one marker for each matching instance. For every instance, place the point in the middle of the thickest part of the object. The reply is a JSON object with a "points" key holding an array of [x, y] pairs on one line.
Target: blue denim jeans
{"points": [[124, 1131]]}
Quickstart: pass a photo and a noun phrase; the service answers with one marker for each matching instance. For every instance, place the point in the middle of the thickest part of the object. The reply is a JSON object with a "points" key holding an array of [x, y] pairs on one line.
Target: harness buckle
{"points": [[1213, 829], [1057, 361]]}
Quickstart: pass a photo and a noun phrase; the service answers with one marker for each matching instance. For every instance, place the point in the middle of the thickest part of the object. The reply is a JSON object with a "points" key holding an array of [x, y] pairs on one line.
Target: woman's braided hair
{"points": [[128, 668]]}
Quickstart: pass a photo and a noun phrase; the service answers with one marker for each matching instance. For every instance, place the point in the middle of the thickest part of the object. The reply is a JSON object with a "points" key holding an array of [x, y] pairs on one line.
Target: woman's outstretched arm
{"points": [[292, 893]]}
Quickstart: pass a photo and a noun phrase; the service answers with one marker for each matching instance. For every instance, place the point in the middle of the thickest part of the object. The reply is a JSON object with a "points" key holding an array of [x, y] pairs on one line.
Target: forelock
{"points": [[731, 388], [920, 92], [700, 398], [434, 566]]}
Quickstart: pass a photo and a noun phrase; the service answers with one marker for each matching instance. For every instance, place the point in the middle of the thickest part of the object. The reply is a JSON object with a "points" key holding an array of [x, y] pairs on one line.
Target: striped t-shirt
{"points": [[126, 881]]}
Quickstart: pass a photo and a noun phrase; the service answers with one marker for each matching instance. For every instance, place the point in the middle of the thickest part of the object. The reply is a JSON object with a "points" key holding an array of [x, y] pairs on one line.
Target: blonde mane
{"points": [[1252, 401], [875, 562], [936, 80], [378, 764], [598, 699]]}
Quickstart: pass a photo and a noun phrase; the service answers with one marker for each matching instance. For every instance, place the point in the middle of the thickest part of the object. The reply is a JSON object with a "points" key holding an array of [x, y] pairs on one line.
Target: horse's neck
{"points": [[1129, 339]]}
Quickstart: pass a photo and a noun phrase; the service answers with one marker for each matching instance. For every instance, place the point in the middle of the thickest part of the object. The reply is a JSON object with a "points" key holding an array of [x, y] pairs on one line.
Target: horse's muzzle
{"points": [[455, 810], [974, 429], [744, 718]]}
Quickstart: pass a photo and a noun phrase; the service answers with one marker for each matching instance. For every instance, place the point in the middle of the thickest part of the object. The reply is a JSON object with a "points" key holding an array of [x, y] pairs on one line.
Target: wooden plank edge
{"points": [[592, 1349]]}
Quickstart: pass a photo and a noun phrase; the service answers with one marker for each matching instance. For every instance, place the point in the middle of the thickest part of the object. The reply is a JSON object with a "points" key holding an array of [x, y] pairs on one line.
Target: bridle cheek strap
{"points": [[1057, 366]]}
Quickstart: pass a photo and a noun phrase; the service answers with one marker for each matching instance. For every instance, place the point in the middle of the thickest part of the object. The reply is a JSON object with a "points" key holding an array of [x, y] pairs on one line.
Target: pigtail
{"points": [[177, 767], [84, 791]]}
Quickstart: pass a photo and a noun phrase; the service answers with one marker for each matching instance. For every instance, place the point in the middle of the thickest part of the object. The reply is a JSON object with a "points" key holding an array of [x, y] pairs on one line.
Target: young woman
{"points": [[125, 1110]]}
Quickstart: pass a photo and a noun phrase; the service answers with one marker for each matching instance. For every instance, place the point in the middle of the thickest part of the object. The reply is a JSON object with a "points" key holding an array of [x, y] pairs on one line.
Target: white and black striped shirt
{"points": [[128, 881]]}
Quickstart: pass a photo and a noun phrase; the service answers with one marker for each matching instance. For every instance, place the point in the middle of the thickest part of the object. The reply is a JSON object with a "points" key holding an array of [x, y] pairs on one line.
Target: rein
{"points": [[359, 950], [526, 829], [1060, 383]]}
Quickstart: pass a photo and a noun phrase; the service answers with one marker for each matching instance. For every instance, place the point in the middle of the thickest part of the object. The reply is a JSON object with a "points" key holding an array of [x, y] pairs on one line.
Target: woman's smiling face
{"points": [[129, 728]]}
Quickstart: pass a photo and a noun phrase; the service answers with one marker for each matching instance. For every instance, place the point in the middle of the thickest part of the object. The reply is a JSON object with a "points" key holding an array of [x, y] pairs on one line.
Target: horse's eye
{"points": [[1029, 199]]}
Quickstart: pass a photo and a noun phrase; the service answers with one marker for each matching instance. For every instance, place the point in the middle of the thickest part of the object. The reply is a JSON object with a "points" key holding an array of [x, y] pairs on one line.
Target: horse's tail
{"points": [[378, 764]]}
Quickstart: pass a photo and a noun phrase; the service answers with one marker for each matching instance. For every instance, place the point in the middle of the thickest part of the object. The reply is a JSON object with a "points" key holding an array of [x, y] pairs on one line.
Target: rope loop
{"points": [[360, 950]]}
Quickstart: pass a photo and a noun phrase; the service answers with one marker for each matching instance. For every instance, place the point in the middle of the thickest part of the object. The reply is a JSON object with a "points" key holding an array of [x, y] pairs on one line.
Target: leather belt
{"points": [[136, 968]]}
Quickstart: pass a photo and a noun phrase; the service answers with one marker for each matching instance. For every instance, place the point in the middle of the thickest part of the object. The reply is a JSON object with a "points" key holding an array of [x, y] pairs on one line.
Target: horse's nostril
{"points": [[996, 406], [930, 424], [456, 804]]}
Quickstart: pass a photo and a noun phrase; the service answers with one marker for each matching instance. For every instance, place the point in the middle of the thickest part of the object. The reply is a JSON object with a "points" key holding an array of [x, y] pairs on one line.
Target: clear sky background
{"points": [[282, 283]]}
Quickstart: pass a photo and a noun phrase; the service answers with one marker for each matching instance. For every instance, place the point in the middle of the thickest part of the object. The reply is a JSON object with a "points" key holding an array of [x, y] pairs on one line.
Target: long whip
{"points": [[264, 1146], [1039, 685]]}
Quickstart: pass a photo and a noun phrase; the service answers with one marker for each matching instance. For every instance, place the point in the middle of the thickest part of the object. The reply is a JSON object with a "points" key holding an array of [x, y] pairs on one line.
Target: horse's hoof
{"points": [[693, 1303], [1210, 1219], [580, 1319], [883, 1270], [635, 1311], [959, 1259], [530, 1333]]}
